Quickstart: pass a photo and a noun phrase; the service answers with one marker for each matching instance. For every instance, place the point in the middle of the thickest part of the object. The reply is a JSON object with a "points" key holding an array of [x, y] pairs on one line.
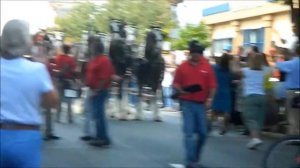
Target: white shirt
{"points": [[22, 84], [168, 79]]}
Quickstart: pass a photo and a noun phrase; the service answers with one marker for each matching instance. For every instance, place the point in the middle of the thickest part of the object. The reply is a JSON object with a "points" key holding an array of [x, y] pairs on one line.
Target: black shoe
{"points": [[100, 143], [51, 137], [222, 132], [245, 132], [86, 138], [194, 166]]}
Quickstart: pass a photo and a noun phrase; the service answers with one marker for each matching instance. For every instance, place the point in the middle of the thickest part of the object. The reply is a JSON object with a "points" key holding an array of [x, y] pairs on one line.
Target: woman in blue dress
{"points": [[221, 105]]}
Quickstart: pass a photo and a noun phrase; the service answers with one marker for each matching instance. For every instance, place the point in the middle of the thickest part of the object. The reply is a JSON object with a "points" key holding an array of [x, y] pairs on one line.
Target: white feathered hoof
{"points": [[138, 118], [123, 119], [112, 116]]}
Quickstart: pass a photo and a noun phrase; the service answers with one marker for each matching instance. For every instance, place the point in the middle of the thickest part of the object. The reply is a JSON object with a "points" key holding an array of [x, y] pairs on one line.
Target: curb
{"points": [[273, 134]]}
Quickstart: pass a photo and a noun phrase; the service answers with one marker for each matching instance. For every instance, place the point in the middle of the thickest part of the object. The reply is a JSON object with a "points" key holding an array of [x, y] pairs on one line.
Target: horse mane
{"points": [[116, 50]]}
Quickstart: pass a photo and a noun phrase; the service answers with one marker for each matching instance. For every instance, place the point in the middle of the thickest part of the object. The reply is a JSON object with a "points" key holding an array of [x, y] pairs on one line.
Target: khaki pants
{"points": [[293, 114]]}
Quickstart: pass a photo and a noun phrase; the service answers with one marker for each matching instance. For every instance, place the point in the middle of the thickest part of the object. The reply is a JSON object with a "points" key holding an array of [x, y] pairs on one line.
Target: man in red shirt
{"points": [[65, 66], [195, 72], [100, 74]]}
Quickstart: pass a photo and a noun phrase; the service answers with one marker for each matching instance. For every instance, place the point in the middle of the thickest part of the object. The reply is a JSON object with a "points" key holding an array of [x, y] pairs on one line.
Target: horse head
{"points": [[154, 41], [117, 29]]}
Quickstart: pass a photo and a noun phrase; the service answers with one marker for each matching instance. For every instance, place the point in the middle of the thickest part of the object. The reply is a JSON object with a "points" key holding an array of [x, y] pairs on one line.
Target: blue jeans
{"points": [[98, 107], [194, 129], [167, 93], [88, 114], [20, 148]]}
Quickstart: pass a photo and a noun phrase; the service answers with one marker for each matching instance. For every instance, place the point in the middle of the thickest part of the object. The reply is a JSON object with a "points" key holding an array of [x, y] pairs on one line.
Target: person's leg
{"points": [[49, 135], [70, 112], [165, 92], [189, 124], [201, 127], [100, 118], [88, 115], [163, 98], [61, 98], [103, 122], [168, 97], [292, 114], [48, 122], [261, 114], [20, 149], [251, 113], [225, 125]]}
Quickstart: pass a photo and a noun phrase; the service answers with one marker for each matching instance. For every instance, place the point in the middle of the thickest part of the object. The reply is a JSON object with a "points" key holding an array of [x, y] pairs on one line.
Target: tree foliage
{"points": [[199, 32], [141, 13], [77, 20]]}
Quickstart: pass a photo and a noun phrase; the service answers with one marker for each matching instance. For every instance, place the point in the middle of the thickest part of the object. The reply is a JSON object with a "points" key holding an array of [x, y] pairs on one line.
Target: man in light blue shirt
{"points": [[25, 85], [292, 69]]}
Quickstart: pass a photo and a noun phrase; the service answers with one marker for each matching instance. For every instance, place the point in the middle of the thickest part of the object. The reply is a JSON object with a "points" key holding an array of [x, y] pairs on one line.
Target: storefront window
{"points": [[254, 37], [220, 44]]}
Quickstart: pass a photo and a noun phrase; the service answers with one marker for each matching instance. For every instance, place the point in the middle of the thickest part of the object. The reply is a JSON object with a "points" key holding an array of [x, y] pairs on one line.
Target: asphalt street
{"points": [[146, 144]]}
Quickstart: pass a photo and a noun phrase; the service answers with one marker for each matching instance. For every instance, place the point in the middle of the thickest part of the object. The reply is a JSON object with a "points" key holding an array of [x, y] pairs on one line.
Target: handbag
{"points": [[190, 89], [71, 88]]}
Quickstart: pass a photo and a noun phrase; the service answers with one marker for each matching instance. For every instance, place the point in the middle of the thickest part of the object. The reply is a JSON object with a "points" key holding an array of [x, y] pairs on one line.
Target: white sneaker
{"points": [[254, 143]]}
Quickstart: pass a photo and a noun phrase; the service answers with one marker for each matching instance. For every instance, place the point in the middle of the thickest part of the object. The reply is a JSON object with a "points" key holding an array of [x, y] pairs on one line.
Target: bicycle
{"points": [[283, 153]]}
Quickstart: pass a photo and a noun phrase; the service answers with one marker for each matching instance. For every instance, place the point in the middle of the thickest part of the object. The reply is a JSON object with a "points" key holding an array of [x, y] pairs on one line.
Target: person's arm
{"points": [[50, 99], [49, 95], [284, 66], [212, 85], [178, 79]]}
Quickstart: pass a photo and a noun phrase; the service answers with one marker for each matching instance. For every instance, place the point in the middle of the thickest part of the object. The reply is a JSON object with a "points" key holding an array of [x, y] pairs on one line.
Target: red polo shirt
{"points": [[201, 74], [99, 68], [61, 61]]}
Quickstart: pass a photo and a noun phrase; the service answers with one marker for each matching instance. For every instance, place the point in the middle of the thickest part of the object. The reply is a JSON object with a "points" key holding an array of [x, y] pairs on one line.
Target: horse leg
{"points": [[125, 99], [139, 112], [156, 112], [120, 101], [111, 110]]}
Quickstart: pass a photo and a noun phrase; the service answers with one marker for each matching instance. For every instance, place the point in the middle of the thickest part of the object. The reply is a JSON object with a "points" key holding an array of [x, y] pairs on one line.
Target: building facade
{"points": [[261, 26]]}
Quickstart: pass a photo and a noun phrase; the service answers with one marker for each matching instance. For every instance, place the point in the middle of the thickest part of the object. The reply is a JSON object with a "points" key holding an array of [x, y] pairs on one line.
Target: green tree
{"points": [[141, 13], [199, 32], [77, 20]]}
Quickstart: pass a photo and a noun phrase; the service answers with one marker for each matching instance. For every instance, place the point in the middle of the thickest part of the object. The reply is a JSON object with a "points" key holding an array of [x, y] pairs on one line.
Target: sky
{"points": [[40, 15], [37, 13]]}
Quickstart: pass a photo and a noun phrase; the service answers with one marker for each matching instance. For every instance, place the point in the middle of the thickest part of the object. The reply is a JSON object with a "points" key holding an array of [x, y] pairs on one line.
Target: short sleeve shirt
{"points": [[22, 84], [99, 68], [292, 70], [62, 60], [254, 81], [201, 74]]}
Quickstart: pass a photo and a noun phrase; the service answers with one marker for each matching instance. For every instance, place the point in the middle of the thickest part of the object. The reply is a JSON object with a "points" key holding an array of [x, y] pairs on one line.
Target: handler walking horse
{"points": [[150, 72]]}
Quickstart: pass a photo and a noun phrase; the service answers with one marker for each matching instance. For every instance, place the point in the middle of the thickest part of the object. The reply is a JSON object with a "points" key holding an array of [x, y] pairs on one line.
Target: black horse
{"points": [[121, 53], [150, 71]]}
